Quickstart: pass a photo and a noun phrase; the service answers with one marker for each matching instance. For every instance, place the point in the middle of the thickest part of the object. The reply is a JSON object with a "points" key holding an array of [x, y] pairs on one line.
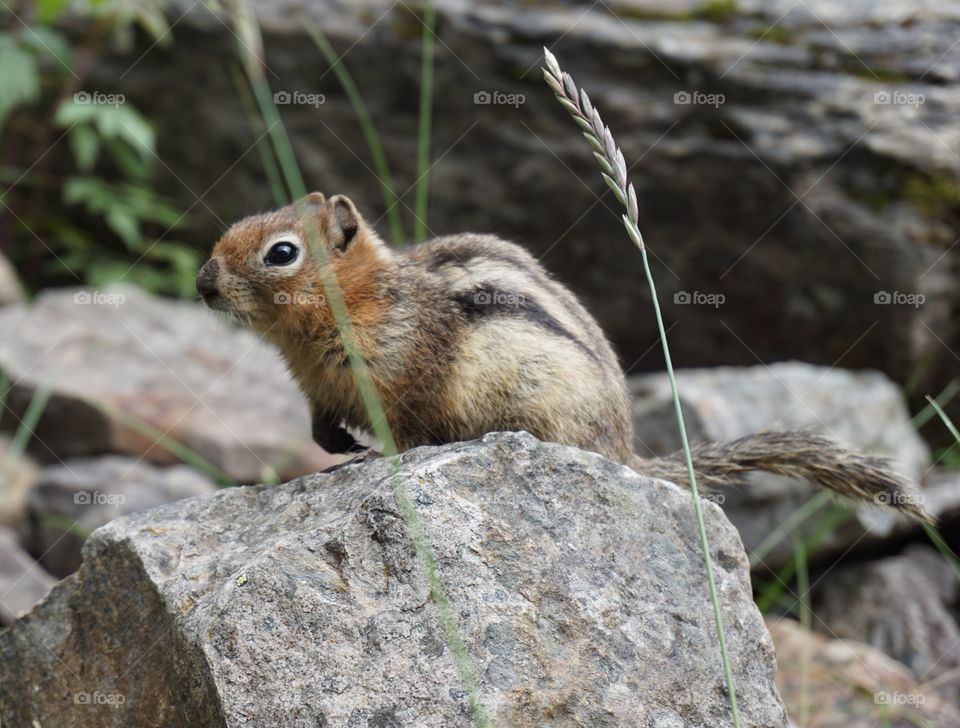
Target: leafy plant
{"points": [[98, 217]]}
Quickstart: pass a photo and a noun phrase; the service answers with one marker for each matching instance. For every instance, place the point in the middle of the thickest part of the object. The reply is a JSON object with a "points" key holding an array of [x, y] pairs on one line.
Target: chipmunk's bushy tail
{"points": [[800, 455]]}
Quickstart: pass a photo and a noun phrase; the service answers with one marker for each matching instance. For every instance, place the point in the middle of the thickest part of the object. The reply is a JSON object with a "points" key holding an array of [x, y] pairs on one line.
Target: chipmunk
{"points": [[465, 335]]}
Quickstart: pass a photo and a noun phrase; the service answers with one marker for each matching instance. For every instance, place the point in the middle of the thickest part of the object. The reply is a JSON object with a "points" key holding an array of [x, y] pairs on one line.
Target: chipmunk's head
{"points": [[268, 271]]}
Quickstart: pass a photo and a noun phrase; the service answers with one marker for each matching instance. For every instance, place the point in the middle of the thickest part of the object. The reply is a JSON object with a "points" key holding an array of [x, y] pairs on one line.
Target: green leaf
{"points": [[127, 125], [19, 81], [47, 41], [120, 123], [125, 225], [133, 166], [49, 10], [85, 145]]}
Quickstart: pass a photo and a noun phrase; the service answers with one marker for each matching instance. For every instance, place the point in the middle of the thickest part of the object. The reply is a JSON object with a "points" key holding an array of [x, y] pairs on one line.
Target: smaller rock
{"points": [[72, 499], [862, 409], [139, 375], [834, 682], [23, 582], [904, 605], [10, 289]]}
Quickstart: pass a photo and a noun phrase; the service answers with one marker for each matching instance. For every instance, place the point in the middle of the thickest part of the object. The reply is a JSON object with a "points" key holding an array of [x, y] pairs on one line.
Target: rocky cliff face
{"points": [[795, 163], [576, 586]]}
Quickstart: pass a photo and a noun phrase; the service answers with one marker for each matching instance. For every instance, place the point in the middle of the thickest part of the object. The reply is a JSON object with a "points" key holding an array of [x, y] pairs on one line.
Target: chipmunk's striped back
{"points": [[528, 355]]}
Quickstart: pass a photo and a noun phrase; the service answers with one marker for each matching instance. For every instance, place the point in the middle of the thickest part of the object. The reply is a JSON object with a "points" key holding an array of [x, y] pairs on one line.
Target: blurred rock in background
{"points": [[72, 499], [23, 582], [163, 380], [906, 605], [10, 289], [838, 683], [864, 410], [795, 163]]}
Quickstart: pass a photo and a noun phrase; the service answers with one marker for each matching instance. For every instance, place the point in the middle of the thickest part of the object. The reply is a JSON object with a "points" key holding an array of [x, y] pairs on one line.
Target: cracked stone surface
{"points": [[576, 585]]}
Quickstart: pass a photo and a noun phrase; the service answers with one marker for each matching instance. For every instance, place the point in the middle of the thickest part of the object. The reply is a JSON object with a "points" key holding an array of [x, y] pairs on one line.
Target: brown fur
{"points": [[465, 335]]}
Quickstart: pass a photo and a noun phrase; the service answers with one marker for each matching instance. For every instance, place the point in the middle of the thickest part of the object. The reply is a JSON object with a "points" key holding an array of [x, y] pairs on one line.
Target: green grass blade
{"points": [[945, 418], [65, 523], [803, 587], [942, 399], [163, 441], [255, 121], [426, 111], [772, 591], [932, 532], [377, 154], [38, 403], [943, 547], [21, 438], [787, 526], [363, 380]]}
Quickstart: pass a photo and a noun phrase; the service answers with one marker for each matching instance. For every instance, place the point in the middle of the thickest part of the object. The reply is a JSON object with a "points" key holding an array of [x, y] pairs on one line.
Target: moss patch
{"points": [[714, 11], [935, 195], [772, 34]]}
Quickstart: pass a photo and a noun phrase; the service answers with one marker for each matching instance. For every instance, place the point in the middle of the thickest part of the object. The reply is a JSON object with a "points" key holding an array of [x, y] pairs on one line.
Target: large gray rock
{"points": [[862, 409], [907, 605], [23, 582], [120, 360], [576, 585], [72, 499], [798, 199]]}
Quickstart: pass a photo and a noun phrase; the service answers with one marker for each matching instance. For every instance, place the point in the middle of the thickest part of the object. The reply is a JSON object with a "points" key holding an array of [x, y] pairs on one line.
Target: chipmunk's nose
{"points": [[207, 279]]}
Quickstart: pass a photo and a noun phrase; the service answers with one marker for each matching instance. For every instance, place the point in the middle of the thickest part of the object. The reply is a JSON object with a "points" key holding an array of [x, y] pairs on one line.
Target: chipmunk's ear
{"points": [[341, 222], [315, 198]]}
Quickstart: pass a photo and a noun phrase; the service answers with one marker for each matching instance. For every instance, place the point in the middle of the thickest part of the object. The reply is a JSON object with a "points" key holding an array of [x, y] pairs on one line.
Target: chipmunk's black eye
{"points": [[281, 254]]}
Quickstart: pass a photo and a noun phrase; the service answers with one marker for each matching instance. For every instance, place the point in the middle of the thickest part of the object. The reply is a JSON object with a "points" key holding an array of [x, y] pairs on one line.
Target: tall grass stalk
{"points": [[803, 587], [377, 154], [426, 112], [943, 399], [787, 526], [615, 174], [825, 527], [932, 532], [269, 162], [362, 377], [164, 441], [945, 418], [21, 438]]}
